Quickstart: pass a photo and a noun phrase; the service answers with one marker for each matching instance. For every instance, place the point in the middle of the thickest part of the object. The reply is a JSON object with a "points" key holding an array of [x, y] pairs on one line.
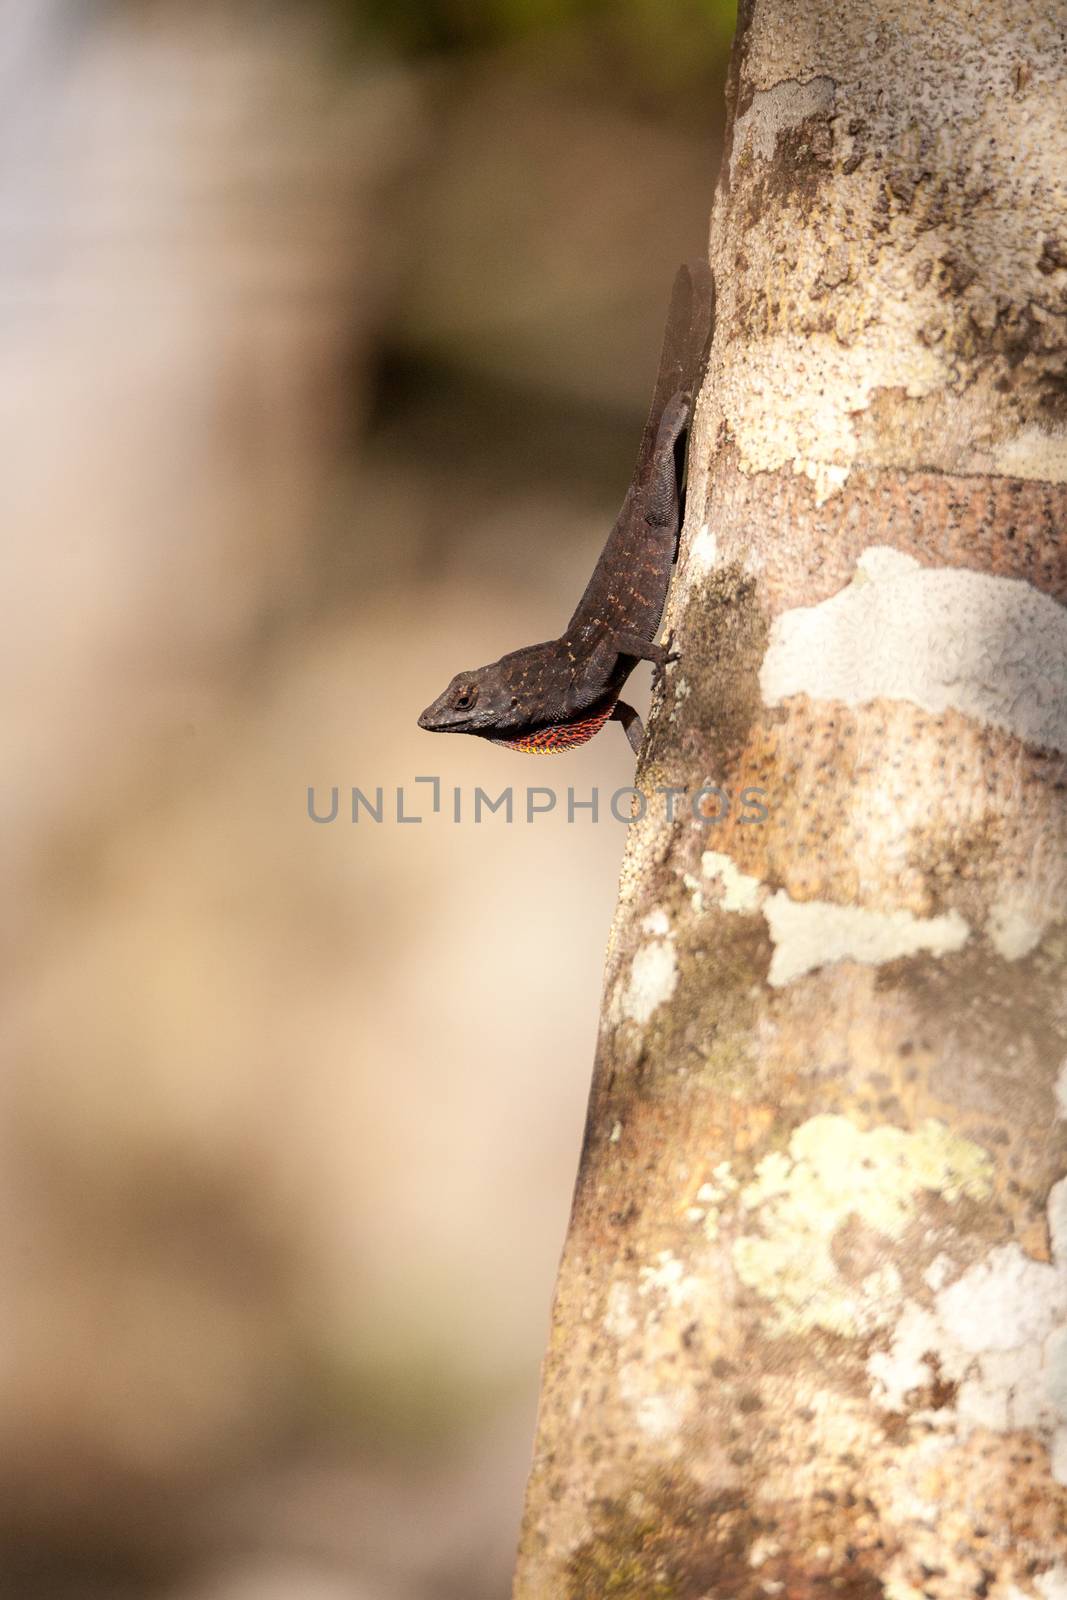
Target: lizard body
{"points": [[553, 696]]}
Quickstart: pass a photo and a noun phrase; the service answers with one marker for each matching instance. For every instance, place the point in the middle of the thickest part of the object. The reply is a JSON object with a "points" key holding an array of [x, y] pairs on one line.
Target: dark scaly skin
{"points": [[553, 696]]}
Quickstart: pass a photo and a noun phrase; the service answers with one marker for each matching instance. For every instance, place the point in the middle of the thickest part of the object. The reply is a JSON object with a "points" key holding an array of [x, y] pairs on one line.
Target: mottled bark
{"points": [[811, 1327]]}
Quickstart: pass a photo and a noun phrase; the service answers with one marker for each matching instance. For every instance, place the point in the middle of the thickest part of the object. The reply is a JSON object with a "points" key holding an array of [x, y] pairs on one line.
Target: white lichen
{"points": [[704, 550], [619, 1319], [739, 892], [1034, 453], [999, 1332], [809, 934], [938, 1272], [1013, 932], [794, 405], [667, 1276], [1058, 1454], [835, 1171], [713, 1195], [652, 981], [1003, 1302], [773, 111], [1052, 1584], [659, 1411], [940, 637], [696, 893]]}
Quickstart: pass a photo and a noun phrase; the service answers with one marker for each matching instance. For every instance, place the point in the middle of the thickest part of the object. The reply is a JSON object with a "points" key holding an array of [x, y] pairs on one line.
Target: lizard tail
{"points": [[686, 342]]}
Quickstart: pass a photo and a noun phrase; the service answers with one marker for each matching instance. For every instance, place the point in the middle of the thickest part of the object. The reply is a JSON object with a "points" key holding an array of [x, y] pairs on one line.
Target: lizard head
{"points": [[473, 702], [519, 691]]}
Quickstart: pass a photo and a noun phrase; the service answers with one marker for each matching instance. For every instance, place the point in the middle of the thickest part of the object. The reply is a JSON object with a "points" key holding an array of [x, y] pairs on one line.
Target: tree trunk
{"points": [[811, 1327]]}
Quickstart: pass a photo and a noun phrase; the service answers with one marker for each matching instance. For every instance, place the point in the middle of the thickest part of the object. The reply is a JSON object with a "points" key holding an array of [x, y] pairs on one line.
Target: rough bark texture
{"points": [[811, 1328]]}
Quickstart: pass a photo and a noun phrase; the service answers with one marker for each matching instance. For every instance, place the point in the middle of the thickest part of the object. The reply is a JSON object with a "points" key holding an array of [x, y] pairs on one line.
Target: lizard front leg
{"points": [[632, 644], [661, 655], [596, 675]]}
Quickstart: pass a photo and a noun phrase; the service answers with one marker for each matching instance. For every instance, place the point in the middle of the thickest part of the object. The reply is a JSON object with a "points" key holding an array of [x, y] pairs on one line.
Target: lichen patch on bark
{"points": [[771, 112], [992, 1343], [738, 891], [809, 934], [651, 982], [833, 1171], [906, 245], [992, 648], [1007, 529]]}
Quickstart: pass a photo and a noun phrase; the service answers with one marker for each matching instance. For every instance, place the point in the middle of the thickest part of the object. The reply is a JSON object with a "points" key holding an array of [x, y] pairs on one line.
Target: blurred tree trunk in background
{"points": [[811, 1326], [192, 255], [192, 258]]}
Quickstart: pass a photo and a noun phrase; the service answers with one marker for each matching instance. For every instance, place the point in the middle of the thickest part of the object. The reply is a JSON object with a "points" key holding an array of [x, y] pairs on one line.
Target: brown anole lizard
{"points": [[553, 696]]}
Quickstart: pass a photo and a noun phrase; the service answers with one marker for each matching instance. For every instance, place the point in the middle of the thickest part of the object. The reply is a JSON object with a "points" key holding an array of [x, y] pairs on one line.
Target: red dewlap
{"points": [[560, 736]]}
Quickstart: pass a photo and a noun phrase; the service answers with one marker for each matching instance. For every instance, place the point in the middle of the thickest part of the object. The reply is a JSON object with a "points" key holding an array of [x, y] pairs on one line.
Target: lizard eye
{"points": [[466, 697]]}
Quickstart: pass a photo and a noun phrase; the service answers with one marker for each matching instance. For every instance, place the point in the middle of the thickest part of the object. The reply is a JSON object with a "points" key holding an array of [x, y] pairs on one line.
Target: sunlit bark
{"points": [[811, 1327]]}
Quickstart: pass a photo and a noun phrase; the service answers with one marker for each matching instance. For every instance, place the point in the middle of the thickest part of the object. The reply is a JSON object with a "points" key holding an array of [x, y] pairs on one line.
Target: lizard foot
{"points": [[667, 659]]}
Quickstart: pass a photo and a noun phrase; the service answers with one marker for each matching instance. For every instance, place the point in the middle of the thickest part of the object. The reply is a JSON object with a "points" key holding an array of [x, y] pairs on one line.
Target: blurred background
{"points": [[326, 337]]}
